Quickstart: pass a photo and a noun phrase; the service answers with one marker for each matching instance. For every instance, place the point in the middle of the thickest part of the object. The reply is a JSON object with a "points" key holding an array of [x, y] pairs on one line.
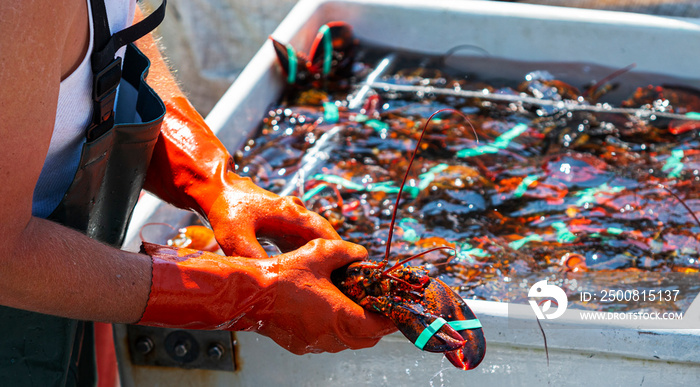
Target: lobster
{"points": [[427, 311]]}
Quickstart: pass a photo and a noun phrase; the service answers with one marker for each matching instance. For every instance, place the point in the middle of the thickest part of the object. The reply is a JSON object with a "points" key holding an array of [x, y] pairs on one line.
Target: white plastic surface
{"points": [[612, 354]]}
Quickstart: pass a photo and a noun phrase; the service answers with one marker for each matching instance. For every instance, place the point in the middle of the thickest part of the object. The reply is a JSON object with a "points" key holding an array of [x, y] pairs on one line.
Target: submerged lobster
{"points": [[331, 56]]}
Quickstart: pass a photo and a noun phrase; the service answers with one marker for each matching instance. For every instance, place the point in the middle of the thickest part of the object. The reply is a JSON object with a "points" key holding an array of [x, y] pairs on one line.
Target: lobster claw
{"points": [[412, 321], [294, 65], [443, 301], [333, 50]]}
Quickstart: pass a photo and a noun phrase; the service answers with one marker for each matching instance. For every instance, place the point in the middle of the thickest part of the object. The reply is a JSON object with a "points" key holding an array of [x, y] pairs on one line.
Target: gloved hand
{"points": [[191, 169], [288, 298]]}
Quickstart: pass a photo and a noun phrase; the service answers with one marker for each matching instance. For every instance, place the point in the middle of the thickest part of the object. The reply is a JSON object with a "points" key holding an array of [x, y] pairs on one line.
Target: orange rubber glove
{"points": [[191, 169], [288, 298]]}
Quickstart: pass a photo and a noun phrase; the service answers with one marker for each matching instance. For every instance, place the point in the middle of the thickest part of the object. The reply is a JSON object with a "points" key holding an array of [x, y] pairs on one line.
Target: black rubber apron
{"points": [[43, 350]]}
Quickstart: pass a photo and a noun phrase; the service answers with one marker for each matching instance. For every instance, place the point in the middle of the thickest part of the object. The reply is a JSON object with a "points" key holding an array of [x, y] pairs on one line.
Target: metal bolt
{"points": [[216, 351], [180, 350], [144, 345]]}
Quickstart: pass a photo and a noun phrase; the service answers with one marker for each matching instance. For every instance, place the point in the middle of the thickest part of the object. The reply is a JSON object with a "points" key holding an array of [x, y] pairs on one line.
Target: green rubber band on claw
{"points": [[429, 332], [327, 48], [435, 326], [462, 325], [292, 57], [330, 112]]}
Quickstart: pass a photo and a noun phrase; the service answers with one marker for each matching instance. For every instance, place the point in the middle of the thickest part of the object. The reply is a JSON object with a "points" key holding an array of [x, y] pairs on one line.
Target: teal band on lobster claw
{"points": [[330, 112], [327, 48], [429, 331], [292, 57], [435, 326], [312, 192], [461, 325]]}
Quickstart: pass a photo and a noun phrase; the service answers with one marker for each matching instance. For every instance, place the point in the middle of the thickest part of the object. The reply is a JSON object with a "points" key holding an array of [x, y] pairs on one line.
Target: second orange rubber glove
{"points": [[192, 169], [288, 298]]}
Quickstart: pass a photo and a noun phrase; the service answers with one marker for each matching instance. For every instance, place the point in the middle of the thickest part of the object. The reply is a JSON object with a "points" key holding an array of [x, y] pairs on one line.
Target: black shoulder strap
{"points": [[105, 68]]}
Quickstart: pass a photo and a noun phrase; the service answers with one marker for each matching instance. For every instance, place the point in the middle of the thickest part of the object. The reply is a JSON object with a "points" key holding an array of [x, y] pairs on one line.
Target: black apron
{"points": [[43, 350]]}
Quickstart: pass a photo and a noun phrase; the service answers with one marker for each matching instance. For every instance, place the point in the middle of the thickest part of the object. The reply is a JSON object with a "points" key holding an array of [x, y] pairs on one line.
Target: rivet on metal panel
{"points": [[182, 346], [215, 351], [181, 349], [144, 345]]}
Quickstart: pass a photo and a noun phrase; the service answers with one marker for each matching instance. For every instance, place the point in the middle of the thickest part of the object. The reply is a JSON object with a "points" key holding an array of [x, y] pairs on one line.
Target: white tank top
{"points": [[72, 118]]}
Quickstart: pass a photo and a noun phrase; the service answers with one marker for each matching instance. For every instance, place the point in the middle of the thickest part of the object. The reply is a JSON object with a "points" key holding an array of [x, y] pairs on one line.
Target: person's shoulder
{"points": [[36, 30], [32, 38], [31, 16]]}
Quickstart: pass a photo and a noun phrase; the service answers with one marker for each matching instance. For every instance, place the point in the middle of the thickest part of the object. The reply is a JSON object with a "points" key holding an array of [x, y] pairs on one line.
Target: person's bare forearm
{"points": [[55, 270], [45, 267], [48, 268]]}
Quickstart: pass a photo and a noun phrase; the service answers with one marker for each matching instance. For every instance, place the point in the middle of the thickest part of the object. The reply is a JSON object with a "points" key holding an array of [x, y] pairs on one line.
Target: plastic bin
{"points": [[618, 353]]}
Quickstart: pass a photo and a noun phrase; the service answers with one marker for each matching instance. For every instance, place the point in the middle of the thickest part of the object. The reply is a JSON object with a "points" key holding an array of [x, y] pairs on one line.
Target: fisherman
{"points": [[81, 134]]}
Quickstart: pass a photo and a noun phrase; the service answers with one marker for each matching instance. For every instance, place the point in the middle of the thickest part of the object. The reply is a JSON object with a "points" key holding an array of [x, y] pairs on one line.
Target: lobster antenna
{"points": [[408, 169], [682, 202], [608, 78], [412, 257], [544, 336]]}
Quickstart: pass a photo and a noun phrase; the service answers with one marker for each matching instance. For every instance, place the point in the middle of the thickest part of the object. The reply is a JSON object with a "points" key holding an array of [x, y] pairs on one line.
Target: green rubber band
{"points": [[360, 118], [563, 233], [377, 125], [330, 112], [588, 195], [674, 163], [313, 192], [328, 48], [501, 142], [434, 327], [461, 325], [693, 115], [429, 332], [614, 230], [292, 71], [523, 186], [517, 245]]}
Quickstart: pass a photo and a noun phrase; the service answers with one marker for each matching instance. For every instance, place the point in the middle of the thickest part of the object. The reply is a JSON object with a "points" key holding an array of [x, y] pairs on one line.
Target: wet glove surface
{"points": [[192, 169], [288, 298], [244, 213]]}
